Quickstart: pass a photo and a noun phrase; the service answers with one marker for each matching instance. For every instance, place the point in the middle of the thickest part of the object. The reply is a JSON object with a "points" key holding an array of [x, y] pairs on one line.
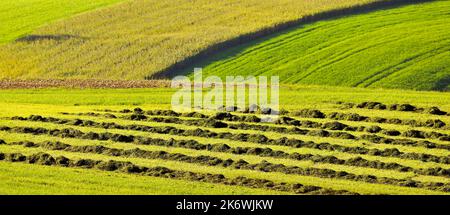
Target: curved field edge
{"points": [[185, 66], [142, 38], [402, 47], [20, 17]]}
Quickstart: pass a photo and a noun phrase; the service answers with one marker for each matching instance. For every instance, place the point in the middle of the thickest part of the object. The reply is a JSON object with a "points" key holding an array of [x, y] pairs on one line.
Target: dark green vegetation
{"points": [[406, 47]]}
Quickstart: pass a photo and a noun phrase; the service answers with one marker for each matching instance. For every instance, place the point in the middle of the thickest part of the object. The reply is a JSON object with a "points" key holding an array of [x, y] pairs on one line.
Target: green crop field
{"points": [[405, 48], [21, 17], [137, 38], [364, 101]]}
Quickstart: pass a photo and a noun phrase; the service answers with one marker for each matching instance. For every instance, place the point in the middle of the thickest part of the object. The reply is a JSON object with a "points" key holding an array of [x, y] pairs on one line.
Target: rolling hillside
{"points": [[135, 39], [407, 47], [20, 17]]}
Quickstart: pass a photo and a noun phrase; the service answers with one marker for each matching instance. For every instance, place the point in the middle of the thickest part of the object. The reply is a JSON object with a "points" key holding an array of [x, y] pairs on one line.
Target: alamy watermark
{"points": [[246, 94]]}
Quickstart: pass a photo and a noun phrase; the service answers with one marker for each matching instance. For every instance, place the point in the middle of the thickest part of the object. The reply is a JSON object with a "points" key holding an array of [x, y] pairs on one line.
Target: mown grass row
{"points": [[21, 137], [398, 107], [308, 113], [338, 184], [334, 184], [213, 122], [208, 121], [264, 166], [24, 103], [234, 143], [280, 134], [192, 144], [128, 167], [256, 138]]}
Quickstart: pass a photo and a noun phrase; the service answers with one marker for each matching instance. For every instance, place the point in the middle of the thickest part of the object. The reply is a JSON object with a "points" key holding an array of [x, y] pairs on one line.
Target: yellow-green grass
{"points": [[341, 155], [20, 179], [50, 102], [10, 138], [422, 117], [338, 184], [387, 126], [403, 48], [137, 38], [291, 98], [272, 135], [277, 135], [20, 17], [411, 163]]}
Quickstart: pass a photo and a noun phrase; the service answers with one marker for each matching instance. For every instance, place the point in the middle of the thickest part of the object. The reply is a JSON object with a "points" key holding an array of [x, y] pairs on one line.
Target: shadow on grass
{"points": [[443, 84], [35, 38]]}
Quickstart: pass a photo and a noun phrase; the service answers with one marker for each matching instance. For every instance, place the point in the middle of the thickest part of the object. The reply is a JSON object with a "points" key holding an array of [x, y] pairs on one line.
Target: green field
{"points": [[141, 37], [20, 179], [364, 101], [21, 17], [59, 179], [388, 48], [404, 48]]}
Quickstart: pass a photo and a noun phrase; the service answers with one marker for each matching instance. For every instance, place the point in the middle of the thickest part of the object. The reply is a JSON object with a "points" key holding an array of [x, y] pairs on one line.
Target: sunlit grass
{"points": [[137, 38], [404, 48]]}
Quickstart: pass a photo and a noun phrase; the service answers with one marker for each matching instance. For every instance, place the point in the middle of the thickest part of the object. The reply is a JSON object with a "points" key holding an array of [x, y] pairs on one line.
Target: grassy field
{"points": [[84, 136], [20, 179], [38, 174], [291, 97], [21, 17], [141, 37], [404, 48]]}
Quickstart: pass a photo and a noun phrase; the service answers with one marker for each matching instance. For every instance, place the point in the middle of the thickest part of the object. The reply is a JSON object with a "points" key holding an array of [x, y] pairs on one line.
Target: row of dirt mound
{"points": [[304, 113], [163, 172], [192, 144], [323, 131], [263, 166], [400, 107], [312, 113], [257, 138]]}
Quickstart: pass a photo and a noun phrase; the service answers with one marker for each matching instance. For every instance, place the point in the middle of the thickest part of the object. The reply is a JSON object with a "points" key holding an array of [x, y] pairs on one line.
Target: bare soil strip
{"points": [[75, 83]]}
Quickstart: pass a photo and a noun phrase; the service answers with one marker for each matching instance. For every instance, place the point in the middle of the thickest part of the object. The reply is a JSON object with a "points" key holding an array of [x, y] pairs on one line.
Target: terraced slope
{"points": [[20, 17], [137, 38], [406, 48], [339, 148]]}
